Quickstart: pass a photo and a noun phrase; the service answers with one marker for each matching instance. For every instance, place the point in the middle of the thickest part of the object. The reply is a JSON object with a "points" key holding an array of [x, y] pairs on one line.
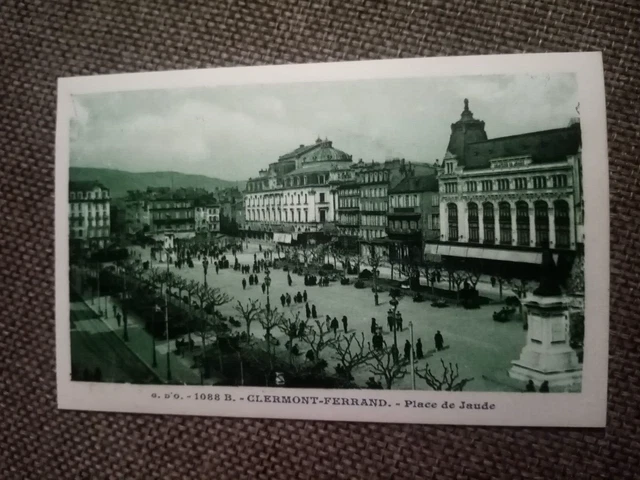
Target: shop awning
{"points": [[282, 238], [502, 255]]}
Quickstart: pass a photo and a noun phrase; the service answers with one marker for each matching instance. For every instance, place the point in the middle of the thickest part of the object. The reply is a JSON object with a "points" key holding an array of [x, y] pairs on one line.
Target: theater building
{"points": [[503, 200], [294, 194]]}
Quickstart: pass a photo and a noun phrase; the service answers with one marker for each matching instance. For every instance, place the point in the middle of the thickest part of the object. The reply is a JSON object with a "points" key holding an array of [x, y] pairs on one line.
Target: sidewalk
{"points": [[140, 343]]}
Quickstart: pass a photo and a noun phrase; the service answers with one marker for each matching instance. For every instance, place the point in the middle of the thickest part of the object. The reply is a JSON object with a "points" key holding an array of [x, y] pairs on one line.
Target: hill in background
{"points": [[120, 182]]}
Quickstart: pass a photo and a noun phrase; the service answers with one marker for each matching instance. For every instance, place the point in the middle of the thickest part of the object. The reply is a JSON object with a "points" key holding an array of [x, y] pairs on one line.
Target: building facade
{"points": [[413, 217], [171, 213], [207, 217], [346, 202], [89, 215], [293, 194], [506, 199], [374, 182]]}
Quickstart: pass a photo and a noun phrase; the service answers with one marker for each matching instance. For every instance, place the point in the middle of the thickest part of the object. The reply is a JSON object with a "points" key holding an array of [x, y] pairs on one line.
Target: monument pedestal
{"points": [[547, 356]]}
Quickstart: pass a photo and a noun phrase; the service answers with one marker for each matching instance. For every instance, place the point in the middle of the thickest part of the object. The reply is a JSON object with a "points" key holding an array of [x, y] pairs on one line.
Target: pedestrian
{"points": [[391, 322], [304, 295], [439, 341], [314, 312], [115, 310], [307, 310], [256, 280], [395, 353], [250, 279], [244, 284], [335, 325], [328, 320], [289, 281], [301, 328], [345, 323], [283, 299], [544, 387], [399, 321], [260, 247], [288, 300], [419, 352], [374, 327], [118, 318], [530, 386], [407, 350], [264, 288], [217, 268]]}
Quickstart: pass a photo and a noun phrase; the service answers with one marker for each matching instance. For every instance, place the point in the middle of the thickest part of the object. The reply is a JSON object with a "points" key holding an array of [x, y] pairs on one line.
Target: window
{"points": [[539, 182], [322, 198], [472, 186], [504, 212], [449, 167], [305, 198], [415, 200], [559, 181], [562, 223], [450, 187], [405, 225], [521, 183], [406, 201], [522, 223], [413, 225], [542, 223], [435, 222], [452, 209], [306, 216], [474, 226], [503, 184], [487, 185], [488, 219], [435, 200]]}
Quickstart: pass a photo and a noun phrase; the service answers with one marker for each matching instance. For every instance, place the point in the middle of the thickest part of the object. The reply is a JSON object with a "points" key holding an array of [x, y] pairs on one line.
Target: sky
{"points": [[231, 132]]}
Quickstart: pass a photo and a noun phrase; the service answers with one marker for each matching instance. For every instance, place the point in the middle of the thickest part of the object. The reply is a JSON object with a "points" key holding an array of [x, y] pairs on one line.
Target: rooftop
{"points": [[421, 183], [85, 186], [320, 151], [543, 147]]}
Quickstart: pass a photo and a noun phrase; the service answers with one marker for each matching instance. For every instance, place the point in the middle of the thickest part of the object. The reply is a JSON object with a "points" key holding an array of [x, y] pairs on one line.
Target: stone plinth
{"points": [[547, 355]]}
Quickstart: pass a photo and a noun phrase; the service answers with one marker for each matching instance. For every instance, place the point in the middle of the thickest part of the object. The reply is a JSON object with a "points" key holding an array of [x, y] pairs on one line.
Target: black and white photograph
{"points": [[418, 237]]}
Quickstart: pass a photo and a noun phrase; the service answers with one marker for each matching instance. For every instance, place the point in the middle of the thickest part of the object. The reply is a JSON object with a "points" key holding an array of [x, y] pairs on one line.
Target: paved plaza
{"points": [[480, 346]]}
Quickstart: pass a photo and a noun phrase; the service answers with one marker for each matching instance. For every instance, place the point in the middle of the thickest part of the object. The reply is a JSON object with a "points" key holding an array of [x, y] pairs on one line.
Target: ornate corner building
{"points": [[89, 215], [504, 200]]}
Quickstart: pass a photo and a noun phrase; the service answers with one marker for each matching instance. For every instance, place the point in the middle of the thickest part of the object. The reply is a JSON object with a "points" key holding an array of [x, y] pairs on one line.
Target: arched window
{"points": [[542, 223], [522, 223], [489, 221], [504, 212], [452, 210], [562, 224], [474, 225]]}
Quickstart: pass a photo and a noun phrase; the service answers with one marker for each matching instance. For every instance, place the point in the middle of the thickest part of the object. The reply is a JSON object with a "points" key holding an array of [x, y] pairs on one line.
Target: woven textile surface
{"points": [[40, 41]]}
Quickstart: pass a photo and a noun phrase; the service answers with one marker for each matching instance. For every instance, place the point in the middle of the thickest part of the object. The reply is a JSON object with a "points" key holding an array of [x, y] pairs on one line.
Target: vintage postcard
{"points": [[418, 241]]}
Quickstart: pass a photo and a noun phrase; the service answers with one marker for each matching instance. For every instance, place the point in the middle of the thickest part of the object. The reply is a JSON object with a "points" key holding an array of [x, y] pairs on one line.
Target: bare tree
{"points": [[269, 319], [250, 312], [383, 364], [318, 336], [456, 277], [290, 327], [351, 352], [449, 380]]}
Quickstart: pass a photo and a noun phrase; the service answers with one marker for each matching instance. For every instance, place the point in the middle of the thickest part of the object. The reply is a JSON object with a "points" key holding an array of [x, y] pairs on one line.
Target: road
{"points": [[94, 345]]}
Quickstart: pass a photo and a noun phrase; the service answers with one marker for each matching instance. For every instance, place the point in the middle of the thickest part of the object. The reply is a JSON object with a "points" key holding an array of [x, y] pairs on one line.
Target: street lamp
{"points": [[394, 303], [205, 266], [267, 282], [166, 325]]}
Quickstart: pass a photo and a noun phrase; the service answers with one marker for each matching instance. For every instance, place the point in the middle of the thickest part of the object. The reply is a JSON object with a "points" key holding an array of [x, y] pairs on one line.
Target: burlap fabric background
{"points": [[40, 41]]}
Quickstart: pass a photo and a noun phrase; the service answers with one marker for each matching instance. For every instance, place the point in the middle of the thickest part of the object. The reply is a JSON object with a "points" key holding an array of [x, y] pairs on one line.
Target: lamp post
{"points": [[413, 368], [394, 303], [267, 282], [166, 325], [154, 360], [205, 266]]}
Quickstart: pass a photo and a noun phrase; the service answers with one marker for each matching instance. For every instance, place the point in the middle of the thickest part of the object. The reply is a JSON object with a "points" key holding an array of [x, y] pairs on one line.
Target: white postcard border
{"points": [[584, 409]]}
